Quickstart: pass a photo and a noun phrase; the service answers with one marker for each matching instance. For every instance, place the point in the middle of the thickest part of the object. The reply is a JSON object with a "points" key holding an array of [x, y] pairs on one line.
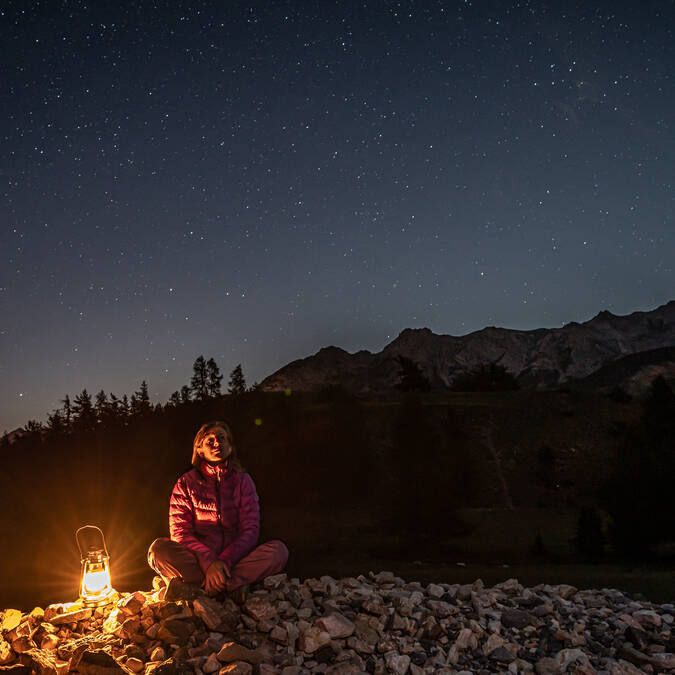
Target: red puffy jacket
{"points": [[214, 513]]}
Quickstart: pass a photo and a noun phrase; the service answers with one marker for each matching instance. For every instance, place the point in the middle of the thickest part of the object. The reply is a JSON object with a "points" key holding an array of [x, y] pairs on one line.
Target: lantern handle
{"points": [[89, 527]]}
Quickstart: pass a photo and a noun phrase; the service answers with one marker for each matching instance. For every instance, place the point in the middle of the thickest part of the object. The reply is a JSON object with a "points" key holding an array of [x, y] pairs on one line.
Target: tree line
{"points": [[83, 413]]}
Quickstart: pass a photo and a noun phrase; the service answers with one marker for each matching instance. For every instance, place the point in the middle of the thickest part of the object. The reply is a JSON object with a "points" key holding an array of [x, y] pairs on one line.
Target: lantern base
{"points": [[99, 602]]}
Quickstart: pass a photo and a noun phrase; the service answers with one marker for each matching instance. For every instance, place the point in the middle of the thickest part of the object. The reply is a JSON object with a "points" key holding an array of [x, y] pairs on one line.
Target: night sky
{"points": [[254, 181]]}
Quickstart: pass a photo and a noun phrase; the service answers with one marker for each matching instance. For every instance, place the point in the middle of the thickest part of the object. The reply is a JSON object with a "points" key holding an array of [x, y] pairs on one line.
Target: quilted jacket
{"points": [[214, 513]]}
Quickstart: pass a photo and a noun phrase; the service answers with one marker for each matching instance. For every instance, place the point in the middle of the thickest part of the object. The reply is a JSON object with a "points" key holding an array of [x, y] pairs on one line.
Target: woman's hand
{"points": [[216, 577]]}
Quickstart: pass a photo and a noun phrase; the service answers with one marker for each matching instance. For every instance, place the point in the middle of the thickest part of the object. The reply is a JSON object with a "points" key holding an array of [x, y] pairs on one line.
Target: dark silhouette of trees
{"points": [[237, 383], [140, 400], [185, 394], [213, 378], [84, 415], [485, 377], [411, 377], [67, 412], [639, 496], [199, 384]]}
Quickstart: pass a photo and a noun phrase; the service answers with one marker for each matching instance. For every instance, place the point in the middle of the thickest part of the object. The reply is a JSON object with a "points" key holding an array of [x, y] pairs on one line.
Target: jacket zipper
{"points": [[218, 498]]}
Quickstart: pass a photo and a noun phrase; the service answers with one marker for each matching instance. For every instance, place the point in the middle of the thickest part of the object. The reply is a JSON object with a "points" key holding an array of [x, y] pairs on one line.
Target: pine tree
{"points": [[141, 400], [124, 408], [101, 406], [56, 424], [174, 400], [214, 378], [237, 384], [83, 412], [185, 395], [67, 413], [199, 381]]}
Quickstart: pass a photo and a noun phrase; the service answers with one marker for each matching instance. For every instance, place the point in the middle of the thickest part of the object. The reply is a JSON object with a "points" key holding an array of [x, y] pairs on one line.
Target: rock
{"points": [[275, 581], [312, 639], [23, 644], [566, 656], [397, 663], [466, 639], [336, 625], [547, 666], [97, 662], [516, 618], [231, 651], [131, 604], [72, 617], [208, 610], [237, 668], [212, 664], [6, 653], [172, 666], [135, 665], [174, 631], [259, 608], [435, 591], [158, 654], [647, 619], [10, 620], [15, 669], [279, 635], [501, 655], [49, 642]]}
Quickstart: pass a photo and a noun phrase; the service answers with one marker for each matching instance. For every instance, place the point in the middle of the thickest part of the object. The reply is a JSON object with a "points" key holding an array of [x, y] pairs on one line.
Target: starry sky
{"points": [[253, 181]]}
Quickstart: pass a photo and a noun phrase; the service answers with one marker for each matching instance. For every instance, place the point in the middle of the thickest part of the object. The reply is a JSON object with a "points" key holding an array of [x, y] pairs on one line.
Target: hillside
{"points": [[541, 358]]}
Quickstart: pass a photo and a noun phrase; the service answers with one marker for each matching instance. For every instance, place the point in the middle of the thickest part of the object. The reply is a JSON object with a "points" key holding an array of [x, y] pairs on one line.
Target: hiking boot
{"points": [[181, 590], [240, 594], [157, 583]]}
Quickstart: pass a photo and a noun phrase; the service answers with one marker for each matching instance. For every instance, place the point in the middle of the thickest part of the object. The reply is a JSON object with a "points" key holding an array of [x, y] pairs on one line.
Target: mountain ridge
{"points": [[538, 358]]}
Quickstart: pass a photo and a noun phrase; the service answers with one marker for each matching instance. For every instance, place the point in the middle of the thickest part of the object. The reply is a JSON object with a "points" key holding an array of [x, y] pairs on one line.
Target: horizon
{"points": [[156, 399], [254, 183]]}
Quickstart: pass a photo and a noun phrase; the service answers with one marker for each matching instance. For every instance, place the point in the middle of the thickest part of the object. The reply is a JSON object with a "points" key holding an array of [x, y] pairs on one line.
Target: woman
{"points": [[214, 523]]}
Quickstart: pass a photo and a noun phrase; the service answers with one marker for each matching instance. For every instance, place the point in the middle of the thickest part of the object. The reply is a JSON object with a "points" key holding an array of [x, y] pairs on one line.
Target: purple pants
{"points": [[170, 559]]}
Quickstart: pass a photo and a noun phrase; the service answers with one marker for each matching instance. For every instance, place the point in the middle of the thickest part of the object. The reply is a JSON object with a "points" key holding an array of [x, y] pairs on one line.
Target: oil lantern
{"points": [[96, 588]]}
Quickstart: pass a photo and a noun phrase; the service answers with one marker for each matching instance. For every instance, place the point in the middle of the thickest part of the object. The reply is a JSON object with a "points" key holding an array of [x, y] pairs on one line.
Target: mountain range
{"points": [[599, 353]]}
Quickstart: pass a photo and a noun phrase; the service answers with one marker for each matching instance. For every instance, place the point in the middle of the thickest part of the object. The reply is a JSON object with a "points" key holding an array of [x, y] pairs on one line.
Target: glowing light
{"points": [[96, 586]]}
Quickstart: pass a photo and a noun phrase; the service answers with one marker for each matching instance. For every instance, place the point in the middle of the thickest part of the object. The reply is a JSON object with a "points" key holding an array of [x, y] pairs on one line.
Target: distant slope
{"points": [[538, 358], [633, 372]]}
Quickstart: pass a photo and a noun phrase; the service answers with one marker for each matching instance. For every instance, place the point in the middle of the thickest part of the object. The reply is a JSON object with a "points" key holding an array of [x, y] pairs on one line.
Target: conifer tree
{"points": [[124, 408], [83, 412], [214, 378], [56, 424], [199, 381], [237, 384], [174, 400], [141, 400], [185, 395], [67, 412], [101, 406]]}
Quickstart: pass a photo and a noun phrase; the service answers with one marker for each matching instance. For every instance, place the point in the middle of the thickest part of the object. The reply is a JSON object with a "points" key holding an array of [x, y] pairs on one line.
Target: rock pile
{"points": [[379, 624]]}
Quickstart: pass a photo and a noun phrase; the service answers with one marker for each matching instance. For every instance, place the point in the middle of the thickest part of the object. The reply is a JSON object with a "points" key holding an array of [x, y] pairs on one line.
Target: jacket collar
{"points": [[217, 471]]}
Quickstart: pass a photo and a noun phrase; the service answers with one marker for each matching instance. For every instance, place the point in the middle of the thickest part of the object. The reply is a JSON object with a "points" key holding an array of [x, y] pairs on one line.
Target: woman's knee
{"points": [[279, 553], [158, 550]]}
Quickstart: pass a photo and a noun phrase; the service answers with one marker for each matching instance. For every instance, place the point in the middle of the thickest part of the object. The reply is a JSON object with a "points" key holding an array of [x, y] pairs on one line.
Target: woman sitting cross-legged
{"points": [[214, 523]]}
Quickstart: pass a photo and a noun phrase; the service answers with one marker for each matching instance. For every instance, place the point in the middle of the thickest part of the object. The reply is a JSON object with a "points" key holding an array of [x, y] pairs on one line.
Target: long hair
{"points": [[204, 430]]}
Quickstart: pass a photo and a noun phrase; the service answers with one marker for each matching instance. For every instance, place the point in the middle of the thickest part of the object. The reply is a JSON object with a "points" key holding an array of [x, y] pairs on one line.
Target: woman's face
{"points": [[215, 446]]}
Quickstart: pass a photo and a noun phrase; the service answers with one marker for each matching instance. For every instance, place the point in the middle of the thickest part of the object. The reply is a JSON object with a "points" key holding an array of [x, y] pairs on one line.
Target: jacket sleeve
{"points": [[249, 525], [181, 525]]}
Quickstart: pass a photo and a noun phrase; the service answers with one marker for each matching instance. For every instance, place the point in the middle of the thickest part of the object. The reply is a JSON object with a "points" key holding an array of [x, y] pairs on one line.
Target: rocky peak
{"points": [[537, 358]]}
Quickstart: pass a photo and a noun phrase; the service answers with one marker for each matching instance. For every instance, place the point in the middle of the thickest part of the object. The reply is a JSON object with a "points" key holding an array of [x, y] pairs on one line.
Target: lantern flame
{"points": [[96, 587]]}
